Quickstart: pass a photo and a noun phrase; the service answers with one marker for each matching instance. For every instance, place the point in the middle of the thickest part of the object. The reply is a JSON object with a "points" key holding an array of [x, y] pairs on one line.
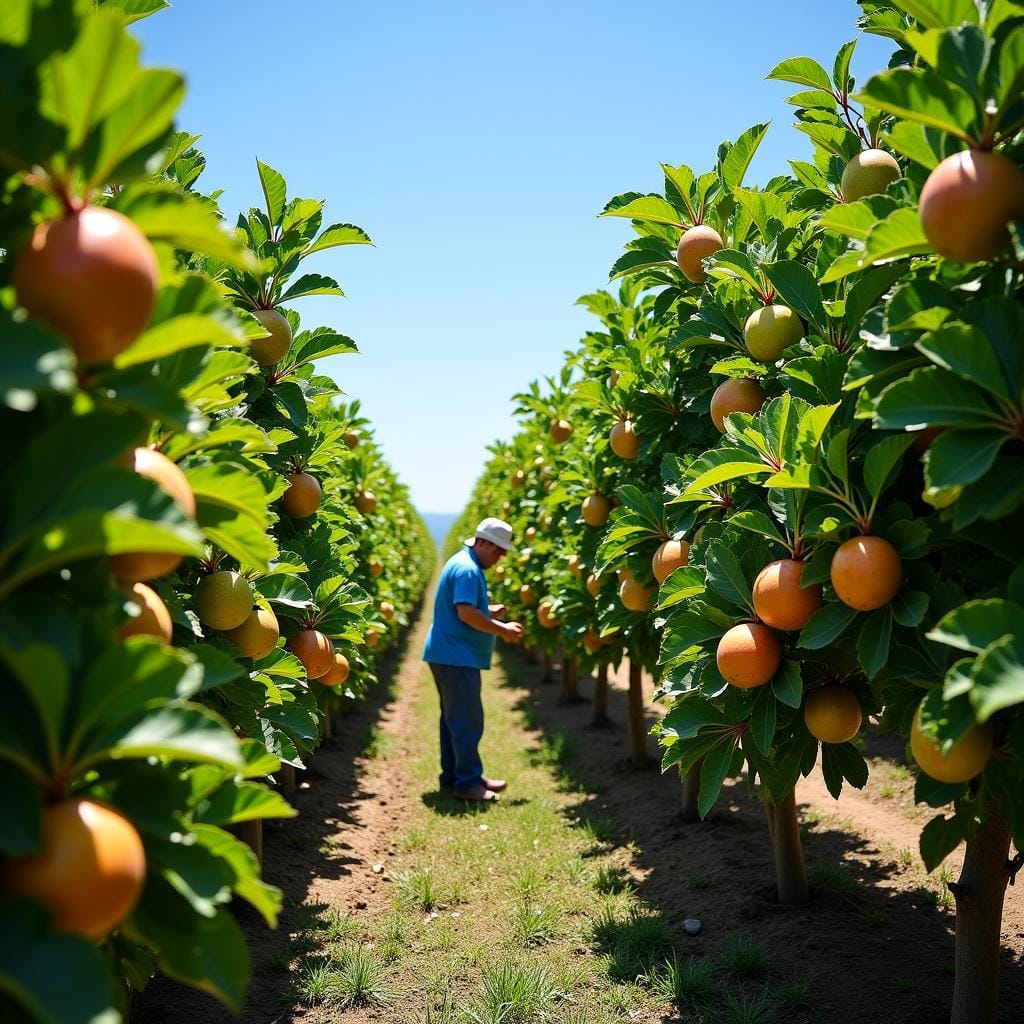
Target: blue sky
{"points": [[476, 144]]}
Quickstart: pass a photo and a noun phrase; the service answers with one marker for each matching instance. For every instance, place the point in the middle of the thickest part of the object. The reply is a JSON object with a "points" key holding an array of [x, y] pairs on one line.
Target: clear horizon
{"points": [[476, 146]]}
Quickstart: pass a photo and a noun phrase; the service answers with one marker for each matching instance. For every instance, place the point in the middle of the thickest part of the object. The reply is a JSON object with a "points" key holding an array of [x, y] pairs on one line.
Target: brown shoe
{"points": [[480, 794], [495, 785]]}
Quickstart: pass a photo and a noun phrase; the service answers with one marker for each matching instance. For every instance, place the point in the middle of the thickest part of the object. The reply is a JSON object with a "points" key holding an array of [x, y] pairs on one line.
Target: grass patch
{"points": [[420, 888], [686, 980], [535, 925], [747, 1008], [744, 957], [632, 945], [829, 877], [513, 993]]}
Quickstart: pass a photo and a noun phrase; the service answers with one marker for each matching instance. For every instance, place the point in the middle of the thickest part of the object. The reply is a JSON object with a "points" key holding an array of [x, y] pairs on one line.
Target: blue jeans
{"points": [[462, 725]]}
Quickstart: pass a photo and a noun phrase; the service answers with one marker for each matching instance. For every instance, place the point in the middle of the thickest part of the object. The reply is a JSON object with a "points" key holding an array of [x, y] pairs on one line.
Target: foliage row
{"points": [[193, 529], [821, 376]]}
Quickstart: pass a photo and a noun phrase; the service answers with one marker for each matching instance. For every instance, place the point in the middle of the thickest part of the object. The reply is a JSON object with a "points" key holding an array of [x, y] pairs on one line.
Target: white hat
{"points": [[497, 531]]}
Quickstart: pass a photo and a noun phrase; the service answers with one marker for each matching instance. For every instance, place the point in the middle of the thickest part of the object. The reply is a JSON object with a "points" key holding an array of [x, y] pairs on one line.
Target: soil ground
{"points": [[582, 875]]}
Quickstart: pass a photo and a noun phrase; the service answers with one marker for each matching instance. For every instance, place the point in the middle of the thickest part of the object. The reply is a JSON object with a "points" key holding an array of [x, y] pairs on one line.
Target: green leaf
{"points": [[135, 130], [339, 234], [310, 284], [85, 84], [787, 684], [873, 646], [998, 677], [966, 351], [798, 288], [713, 773], [841, 761], [243, 801], [275, 191], [923, 96], [896, 237], [737, 162], [933, 397], [725, 575], [184, 733], [826, 625], [22, 833], [960, 457], [976, 625], [650, 208], [206, 952], [32, 957], [939, 838], [908, 607], [267, 899], [802, 71], [762, 720], [682, 584], [758, 522], [881, 461]]}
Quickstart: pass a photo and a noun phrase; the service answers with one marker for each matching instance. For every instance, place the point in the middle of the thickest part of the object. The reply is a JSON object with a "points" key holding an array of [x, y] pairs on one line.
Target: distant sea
{"points": [[440, 525]]}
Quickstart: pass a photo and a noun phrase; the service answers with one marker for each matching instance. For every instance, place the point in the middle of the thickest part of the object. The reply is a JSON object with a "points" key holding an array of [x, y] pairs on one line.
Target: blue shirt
{"points": [[450, 641]]}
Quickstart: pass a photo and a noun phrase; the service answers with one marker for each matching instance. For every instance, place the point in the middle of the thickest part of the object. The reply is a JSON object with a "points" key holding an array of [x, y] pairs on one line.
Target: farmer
{"points": [[460, 643]]}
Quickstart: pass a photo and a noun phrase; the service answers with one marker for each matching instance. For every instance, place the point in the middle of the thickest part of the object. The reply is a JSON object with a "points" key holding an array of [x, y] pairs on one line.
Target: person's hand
{"points": [[497, 611], [513, 632]]}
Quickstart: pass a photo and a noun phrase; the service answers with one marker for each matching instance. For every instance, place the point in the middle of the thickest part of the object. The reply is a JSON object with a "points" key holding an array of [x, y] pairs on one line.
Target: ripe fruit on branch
{"points": [[258, 635], [671, 555], [575, 569], [742, 395], [527, 595], [966, 758], [337, 673], [832, 714], [351, 439], [89, 872], [303, 496], [91, 276], [596, 509], [530, 534], [387, 610], [518, 478], [697, 243], [869, 173], [153, 618], [372, 637], [771, 329], [546, 616], [314, 650], [366, 502], [376, 568], [779, 600], [594, 584], [635, 596], [273, 348], [592, 641], [967, 202], [560, 431], [749, 655], [148, 565], [866, 572], [623, 440], [223, 600]]}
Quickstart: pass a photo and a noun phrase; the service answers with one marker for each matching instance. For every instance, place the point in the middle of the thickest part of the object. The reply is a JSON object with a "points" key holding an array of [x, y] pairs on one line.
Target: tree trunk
{"points": [[251, 833], [979, 897], [570, 680], [325, 726], [337, 720], [601, 696], [637, 723], [286, 778], [790, 873], [547, 674], [691, 790]]}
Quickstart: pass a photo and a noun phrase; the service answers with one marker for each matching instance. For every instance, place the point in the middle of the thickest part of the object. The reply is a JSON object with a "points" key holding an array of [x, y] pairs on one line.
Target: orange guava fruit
{"points": [[303, 496], [91, 276], [671, 555], [748, 655], [314, 650], [696, 244], [153, 618], [740, 395], [869, 173], [257, 636], [779, 600], [832, 714], [90, 871], [223, 600], [866, 572], [965, 759]]}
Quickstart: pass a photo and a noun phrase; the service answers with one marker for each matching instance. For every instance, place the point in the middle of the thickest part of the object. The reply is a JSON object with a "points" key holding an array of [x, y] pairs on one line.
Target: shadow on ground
{"points": [[872, 944]]}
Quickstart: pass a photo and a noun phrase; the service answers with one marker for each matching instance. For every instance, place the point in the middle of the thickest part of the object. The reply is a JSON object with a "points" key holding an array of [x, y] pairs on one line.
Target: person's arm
{"points": [[475, 619]]}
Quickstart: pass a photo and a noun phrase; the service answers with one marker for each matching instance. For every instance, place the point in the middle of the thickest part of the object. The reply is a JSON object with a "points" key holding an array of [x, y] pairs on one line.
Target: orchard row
{"points": [[795, 438], [202, 551]]}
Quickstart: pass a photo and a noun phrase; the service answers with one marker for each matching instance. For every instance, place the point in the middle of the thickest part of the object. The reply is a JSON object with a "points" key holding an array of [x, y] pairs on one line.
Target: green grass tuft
{"points": [[744, 957]]}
